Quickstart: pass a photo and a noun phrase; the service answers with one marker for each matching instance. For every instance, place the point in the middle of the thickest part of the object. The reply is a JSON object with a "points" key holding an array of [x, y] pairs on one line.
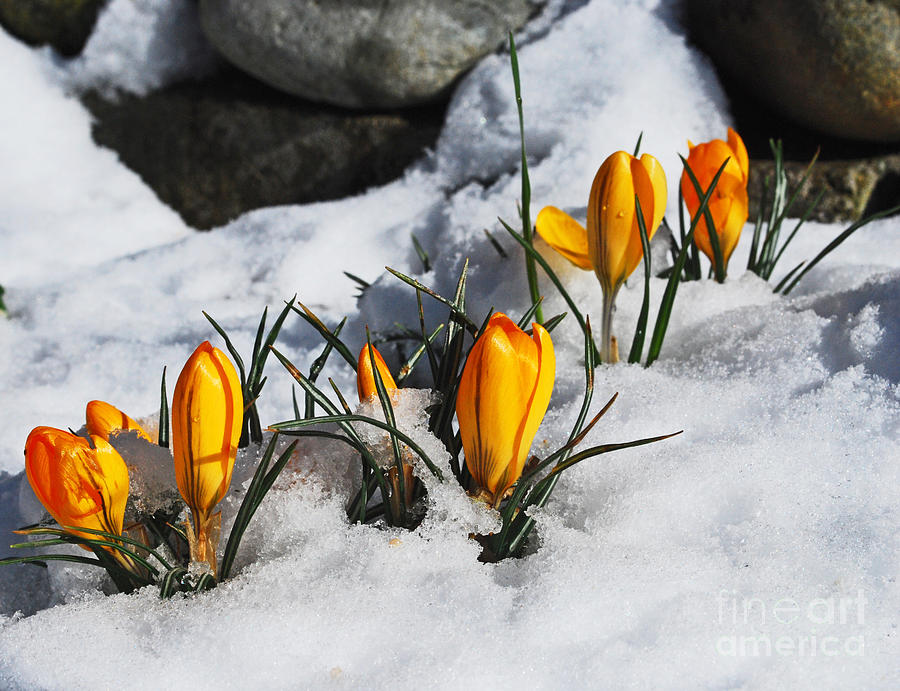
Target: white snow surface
{"points": [[758, 549]]}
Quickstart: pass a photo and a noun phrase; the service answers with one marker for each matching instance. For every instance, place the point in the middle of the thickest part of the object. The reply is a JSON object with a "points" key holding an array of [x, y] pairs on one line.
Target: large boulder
{"points": [[831, 65], [216, 148], [64, 24], [361, 53]]}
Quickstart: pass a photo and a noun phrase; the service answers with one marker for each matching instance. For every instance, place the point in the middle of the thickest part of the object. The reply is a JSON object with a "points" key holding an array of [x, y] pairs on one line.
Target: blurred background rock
{"points": [[315, 101], [361, 53], [63, 24], [817, 74]]}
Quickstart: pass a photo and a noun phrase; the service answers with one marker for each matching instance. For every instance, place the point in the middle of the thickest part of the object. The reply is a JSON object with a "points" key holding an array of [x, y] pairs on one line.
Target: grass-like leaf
{"points": [[554, 279], [411, 361], [637, 344], [527, 232], [832, 245], [42, 559], [252, 381], [440, 298], [526, 318], [289, 426], [326, 333], [115, 542], [513, 529], [712, 231], [172, 582], [423, 255], [162, 438], [340, 397], [242, 518], [554, 321], [496, 245], [316, 369], [447, 381], [764, 251], [322, 400], [388, 409], [429, 349], [668, 299]]}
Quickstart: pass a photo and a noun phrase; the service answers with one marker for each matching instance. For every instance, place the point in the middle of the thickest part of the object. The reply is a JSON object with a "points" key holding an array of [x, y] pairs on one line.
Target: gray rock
{"points": [[852, 189], [64, 24], [831, 65], [360, 53], [214, 149]]}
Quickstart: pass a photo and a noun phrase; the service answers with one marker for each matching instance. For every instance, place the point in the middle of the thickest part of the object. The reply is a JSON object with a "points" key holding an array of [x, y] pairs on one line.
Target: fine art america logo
{"points": [[790, 628]]}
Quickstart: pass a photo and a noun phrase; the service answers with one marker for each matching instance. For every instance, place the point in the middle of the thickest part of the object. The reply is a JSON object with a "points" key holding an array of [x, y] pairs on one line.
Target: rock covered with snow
{"points": [[360, 54]]}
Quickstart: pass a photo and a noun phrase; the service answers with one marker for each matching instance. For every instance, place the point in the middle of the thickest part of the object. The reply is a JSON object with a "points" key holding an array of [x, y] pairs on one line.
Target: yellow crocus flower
{"points": [[611, 243], [503, 396], [207, 413], [365, 378], [104, 419], [80, 486], [728, 204]]}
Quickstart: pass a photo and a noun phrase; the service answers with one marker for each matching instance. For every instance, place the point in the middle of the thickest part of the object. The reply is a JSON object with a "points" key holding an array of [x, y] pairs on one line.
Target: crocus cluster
{"points": [[503, 395], [611, 244], [83, 481]]}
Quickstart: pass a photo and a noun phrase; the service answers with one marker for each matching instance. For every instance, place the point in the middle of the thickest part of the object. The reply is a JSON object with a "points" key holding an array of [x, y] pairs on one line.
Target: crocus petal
{"points": [[728, 204], [614, 240], [207, 413], [540, 397], [365, 378], [704, 160], [79, 486], [103, 419], [110, 476], [564, 234], [736, 144], [650, 185], [657, 177], [610, 219], [503, 395], [734, 222]]}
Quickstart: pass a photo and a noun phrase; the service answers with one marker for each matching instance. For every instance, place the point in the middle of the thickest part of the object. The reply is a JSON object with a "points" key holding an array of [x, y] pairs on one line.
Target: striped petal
{"points": [[104, 419], [207, 413], [365, 377], [503, 396], [79, 486]]}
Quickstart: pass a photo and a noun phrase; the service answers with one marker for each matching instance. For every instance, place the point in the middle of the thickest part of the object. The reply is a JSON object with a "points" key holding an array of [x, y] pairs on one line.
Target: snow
{"points": [[771, 521]]}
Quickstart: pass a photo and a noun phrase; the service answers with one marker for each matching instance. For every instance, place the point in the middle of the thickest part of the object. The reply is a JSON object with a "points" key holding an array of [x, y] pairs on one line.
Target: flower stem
{"points": [[608, 353]]}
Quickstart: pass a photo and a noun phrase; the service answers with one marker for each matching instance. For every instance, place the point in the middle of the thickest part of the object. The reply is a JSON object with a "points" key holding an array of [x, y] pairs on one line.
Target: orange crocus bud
{"points": [[611, 243], [365, 378], [728, 204], [614, 241], [207, 413], [80, 486], [103, 419], [503, 395]]}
